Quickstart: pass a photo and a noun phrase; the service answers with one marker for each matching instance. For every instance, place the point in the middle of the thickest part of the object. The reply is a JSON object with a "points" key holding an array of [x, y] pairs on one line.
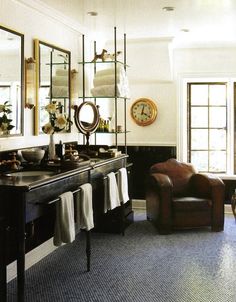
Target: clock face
{"points": [[144, 112]]}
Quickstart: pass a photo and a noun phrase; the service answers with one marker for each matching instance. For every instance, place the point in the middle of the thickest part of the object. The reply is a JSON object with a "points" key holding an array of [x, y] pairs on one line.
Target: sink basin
{"points": [[31, 173]]}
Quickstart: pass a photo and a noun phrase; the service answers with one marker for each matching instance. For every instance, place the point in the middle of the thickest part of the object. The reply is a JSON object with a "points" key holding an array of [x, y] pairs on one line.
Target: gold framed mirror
{"points": [[53, 65], [12, 86]]}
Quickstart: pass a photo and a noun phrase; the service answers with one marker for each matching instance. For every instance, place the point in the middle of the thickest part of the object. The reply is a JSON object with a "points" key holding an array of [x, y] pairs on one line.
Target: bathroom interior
{"points": [[83, 96]]}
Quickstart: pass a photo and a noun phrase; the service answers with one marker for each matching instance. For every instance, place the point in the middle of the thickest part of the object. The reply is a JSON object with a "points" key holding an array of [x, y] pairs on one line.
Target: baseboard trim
{"points": [[139, 204], [228, 209], [32, 258]]}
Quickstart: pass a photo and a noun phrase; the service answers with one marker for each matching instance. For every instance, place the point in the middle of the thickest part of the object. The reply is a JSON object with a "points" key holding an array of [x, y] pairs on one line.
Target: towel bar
{"points": [[56, 199], [105, 177]]}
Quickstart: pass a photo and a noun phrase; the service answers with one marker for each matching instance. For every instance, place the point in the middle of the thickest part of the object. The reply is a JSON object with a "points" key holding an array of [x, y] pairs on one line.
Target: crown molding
{"points": [[151, 40], [54, 14]]}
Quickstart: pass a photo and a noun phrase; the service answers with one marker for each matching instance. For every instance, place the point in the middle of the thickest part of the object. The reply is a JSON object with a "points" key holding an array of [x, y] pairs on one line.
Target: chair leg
{"points": [[3, 266]]}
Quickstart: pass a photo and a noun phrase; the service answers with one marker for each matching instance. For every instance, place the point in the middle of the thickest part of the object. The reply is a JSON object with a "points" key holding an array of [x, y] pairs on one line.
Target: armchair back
{"points": [[178, 172]]}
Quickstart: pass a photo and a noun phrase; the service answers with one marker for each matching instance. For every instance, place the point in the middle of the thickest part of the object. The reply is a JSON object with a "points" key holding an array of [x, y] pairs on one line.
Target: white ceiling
{"points": [[209, 22]]}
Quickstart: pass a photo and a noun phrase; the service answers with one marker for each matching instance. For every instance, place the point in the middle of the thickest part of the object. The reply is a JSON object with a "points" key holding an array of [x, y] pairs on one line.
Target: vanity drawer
{"points": [[38, 198]]}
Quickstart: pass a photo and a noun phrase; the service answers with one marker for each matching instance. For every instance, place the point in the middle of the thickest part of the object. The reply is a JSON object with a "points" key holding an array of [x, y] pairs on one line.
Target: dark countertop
{"points": [[27, 183]]}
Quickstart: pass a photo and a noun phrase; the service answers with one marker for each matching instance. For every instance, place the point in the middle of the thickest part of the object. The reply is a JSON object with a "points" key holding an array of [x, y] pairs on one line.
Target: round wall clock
{"points": [[144, 111]]}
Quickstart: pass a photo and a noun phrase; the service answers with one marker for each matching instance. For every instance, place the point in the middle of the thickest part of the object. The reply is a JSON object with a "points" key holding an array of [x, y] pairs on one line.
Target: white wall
{"points": [[35, 25], [150, 76], [215, 60]]}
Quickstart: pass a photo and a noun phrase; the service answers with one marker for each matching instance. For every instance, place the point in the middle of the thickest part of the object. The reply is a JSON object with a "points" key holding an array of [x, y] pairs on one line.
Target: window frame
{"points": [[182, 124], [208, 106]]}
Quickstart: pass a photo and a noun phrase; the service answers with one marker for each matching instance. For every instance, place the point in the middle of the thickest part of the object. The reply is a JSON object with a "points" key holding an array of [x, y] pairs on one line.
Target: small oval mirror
{"points": [[86, 117]]}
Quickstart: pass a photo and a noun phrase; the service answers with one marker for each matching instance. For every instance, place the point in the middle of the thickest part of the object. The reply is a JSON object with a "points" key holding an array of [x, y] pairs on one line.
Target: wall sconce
{"points": [[30, 83], [74, 87]]}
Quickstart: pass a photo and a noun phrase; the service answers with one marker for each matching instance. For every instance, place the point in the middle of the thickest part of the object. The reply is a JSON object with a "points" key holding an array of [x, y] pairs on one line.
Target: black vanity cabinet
{"points": [[27, 207]]}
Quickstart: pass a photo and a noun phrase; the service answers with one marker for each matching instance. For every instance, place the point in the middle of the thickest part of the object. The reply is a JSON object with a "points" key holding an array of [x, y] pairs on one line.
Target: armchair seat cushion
{"points": [[190, 204]]}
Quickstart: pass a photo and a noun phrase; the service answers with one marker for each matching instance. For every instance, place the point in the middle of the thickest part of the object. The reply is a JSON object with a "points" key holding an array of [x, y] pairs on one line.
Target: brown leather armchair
{"points": [[178, 197]]}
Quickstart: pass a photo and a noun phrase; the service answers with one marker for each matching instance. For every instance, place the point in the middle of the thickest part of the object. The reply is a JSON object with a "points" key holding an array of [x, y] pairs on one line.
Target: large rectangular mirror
{"points": [[11, 82], [53, 66]]}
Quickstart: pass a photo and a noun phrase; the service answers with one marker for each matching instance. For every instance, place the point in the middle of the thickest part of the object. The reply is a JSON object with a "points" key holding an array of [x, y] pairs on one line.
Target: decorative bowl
{"points": [[33, 155]]}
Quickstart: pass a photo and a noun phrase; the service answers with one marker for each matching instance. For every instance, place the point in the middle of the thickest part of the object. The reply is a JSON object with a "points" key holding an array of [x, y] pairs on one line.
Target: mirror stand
{"points": [[88, 151]]}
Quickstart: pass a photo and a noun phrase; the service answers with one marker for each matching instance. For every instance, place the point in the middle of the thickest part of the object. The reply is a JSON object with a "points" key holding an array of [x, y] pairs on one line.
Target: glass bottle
{"points": [[112, 125], [51, 148]]}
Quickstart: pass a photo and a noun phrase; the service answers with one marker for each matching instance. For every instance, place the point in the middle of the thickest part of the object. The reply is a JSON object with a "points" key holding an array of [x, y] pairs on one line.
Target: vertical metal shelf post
{"points": [[50, 101], [125, 117], [94, 72], [115, 48], [83, 75], [83, 69]]}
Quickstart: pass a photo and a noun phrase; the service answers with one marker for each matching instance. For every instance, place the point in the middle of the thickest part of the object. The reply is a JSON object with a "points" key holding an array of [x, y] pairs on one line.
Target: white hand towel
{"points": [[84, 208], [65, 224], [111, 198], [123, 185]]}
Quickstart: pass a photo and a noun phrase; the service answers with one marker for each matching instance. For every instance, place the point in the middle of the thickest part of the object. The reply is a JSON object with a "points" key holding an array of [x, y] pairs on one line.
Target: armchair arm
{"points": [[212, 187], [207, 185], [158, 201]]}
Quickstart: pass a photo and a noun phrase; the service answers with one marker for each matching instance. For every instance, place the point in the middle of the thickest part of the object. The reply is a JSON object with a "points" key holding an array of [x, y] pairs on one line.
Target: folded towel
{"points": [[74, 86], [104, 83], [60, 91], [111, 198], [109, 91], [106, 80], [62, 72], [60, 80], [109, 71], [84, 208], [64, 225], [123, 185], [109, 79]]}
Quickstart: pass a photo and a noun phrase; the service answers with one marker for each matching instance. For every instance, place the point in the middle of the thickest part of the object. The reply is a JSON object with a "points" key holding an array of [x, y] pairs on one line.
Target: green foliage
{"points": [[5, 122]]}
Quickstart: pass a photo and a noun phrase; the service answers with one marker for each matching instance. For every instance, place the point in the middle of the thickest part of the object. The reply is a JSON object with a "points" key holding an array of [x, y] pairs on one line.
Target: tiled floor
{"points": [[142, 266]]}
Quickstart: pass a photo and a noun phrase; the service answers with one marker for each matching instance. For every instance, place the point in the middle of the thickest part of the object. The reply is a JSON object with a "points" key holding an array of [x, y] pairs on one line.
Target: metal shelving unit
{"points": [[115, 98]]}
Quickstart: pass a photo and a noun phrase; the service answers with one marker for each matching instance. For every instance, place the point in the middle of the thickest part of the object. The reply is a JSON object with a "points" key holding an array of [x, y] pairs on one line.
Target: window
{"points": [[207, 126]]}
